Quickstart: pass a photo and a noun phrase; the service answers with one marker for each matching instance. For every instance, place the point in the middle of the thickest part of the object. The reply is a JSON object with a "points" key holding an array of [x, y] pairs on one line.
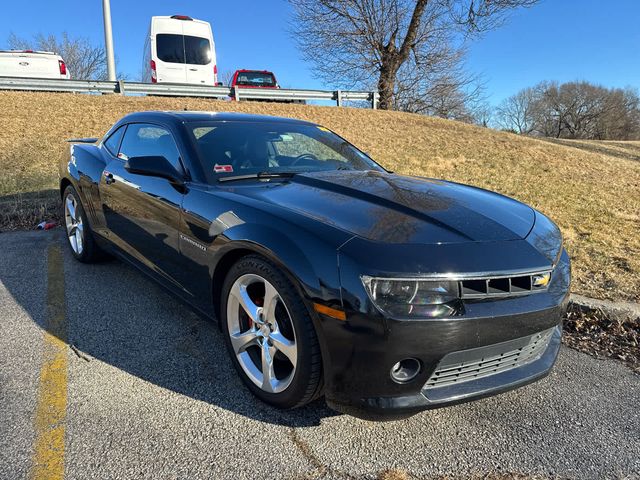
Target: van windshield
{"points": [[174, 48], [256, 79]]}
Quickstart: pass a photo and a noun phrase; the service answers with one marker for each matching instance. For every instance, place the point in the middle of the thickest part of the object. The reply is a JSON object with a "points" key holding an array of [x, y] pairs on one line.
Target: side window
{"points": [[144, 140], [113, 142]]}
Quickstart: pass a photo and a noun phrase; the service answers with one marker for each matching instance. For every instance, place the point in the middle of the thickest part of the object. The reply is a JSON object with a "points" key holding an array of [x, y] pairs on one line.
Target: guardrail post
{"points": [[120, 87], [339, 98], [236, 93], [374, 100]]}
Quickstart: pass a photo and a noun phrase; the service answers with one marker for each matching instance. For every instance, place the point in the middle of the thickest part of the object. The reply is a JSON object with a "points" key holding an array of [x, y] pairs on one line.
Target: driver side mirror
{"points": [[154, 166]]}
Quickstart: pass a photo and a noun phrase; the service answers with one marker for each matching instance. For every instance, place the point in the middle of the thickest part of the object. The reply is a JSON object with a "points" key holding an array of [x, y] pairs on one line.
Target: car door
{"points": [[142, 213]]}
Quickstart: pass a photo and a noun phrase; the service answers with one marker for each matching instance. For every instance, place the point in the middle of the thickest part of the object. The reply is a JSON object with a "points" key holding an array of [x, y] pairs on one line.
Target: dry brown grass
{"points": [[629, 150], [591, 191]]}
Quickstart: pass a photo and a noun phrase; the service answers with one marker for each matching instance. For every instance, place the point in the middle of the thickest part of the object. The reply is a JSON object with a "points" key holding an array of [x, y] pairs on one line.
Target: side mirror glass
{"points": [[154, 166]]}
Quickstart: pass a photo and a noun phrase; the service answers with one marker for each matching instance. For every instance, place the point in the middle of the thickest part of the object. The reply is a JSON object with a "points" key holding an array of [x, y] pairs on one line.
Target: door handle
{"points": [[108, 178], [193, 69]]}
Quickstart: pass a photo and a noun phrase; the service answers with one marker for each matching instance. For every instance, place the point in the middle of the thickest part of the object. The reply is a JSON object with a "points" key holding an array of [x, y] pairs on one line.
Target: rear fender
{"points": [[83, 171]]}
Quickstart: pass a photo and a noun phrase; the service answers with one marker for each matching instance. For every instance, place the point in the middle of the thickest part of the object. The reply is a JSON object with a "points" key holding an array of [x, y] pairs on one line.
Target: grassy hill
{"points": [[591, 189]]}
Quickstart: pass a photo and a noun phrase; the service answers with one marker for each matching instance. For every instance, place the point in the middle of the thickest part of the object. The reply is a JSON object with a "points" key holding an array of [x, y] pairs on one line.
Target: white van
{"points": [[33, 64], [180, 49]]}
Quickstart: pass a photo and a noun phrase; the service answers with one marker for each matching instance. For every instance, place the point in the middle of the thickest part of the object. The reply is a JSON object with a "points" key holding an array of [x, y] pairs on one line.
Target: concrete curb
{"points": [[614, 310]]}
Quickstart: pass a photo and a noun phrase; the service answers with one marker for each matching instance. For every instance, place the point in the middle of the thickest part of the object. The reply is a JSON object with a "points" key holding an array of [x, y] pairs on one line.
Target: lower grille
{"points": [[466, 365]]}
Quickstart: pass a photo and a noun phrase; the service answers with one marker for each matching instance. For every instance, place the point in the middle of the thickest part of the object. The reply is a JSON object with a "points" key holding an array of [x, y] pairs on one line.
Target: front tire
{"points": [[79, 235], [270, 334]]}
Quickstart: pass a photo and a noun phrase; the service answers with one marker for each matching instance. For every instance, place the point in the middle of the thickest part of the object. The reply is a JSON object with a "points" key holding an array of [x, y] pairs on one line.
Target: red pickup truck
{"points": [[263, 79], [254, 79]]}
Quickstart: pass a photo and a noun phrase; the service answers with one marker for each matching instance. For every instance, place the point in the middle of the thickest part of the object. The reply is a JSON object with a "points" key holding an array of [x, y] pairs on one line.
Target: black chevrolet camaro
{"points": [[328, 275]]}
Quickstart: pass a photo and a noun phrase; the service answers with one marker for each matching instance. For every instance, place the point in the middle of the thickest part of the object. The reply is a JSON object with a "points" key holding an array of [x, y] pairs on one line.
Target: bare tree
{"points": [[517, 112], [84, 60], [621, 116], [225, 77], [366, 42], [483, 114], [573, 110], [444, 89]]}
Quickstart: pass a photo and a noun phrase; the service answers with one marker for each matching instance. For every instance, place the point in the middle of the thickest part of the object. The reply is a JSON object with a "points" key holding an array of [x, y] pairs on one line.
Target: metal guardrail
{"points": [[56, 85], [183, 90]]}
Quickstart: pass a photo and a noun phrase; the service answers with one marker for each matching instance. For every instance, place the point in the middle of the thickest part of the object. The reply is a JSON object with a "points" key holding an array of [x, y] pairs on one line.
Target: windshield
{"points": [[241, 148], [256, 79]]}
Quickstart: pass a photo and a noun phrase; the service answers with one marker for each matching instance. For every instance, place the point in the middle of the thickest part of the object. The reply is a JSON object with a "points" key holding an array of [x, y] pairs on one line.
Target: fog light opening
{"points": [[405, 370]]}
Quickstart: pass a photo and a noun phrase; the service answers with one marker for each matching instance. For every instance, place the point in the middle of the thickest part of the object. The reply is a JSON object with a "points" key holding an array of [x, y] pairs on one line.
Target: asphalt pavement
{"points": [[137, 386]]}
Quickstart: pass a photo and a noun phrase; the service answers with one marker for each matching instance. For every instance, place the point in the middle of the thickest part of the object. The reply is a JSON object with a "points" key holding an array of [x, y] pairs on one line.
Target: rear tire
{"points": [[79, 235], [270, 334]]}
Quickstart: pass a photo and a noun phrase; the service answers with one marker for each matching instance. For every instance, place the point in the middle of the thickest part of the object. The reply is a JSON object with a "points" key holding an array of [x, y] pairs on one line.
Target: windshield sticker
{"points": [[223, 168]]}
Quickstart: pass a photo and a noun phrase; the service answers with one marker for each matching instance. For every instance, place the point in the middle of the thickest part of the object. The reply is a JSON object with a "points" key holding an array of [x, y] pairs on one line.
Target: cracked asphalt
{"points": [[149, 392]]}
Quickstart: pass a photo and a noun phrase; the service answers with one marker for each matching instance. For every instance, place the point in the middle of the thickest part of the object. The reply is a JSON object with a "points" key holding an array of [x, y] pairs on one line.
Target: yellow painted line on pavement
{"points": [[48, 455]]}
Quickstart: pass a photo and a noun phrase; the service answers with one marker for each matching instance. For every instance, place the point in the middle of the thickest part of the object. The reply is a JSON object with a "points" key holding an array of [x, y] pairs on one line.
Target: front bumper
{"points": [[359, 353], [390, 408]]}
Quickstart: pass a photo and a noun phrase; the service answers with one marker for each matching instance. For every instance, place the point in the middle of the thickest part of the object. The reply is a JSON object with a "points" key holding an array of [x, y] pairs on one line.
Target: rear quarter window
{"points": [[113, 142]]}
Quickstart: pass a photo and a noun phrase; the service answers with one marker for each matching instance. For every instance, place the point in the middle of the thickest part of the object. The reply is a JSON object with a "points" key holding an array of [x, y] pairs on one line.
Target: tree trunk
{"points": [[386, 84], [393, 58]]}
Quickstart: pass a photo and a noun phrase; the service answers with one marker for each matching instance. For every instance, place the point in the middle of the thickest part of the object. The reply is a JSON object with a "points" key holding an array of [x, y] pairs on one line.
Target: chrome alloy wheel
{"points": [[262, 333], [73, 222]]}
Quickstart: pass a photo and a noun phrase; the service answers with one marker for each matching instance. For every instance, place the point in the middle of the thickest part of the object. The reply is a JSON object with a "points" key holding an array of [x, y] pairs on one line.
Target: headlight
{"points": [[413, 297]]}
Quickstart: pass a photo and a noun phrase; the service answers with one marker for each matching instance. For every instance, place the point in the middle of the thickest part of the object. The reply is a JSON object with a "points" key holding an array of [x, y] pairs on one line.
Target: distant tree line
{"points": [[579, 110]]}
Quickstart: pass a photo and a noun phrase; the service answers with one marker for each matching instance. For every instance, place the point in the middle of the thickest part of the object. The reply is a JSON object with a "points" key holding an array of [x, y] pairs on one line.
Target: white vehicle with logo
{"points": [[32, 64], [180, 49]]}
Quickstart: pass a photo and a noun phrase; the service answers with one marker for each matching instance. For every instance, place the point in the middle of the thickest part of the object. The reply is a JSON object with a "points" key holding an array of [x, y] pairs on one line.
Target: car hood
{"points": [[392, 208]]}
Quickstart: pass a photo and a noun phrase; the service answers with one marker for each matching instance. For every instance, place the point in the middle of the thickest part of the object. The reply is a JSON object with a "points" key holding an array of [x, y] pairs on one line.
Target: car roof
{"points": [[186, 116]]}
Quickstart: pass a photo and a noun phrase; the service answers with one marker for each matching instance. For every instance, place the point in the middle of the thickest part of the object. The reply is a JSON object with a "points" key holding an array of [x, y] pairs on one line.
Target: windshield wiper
{"points": [[259, 175]]}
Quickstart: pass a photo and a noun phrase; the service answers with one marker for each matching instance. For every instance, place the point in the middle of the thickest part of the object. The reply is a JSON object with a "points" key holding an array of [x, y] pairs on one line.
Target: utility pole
{"points": [[108, 40]]}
